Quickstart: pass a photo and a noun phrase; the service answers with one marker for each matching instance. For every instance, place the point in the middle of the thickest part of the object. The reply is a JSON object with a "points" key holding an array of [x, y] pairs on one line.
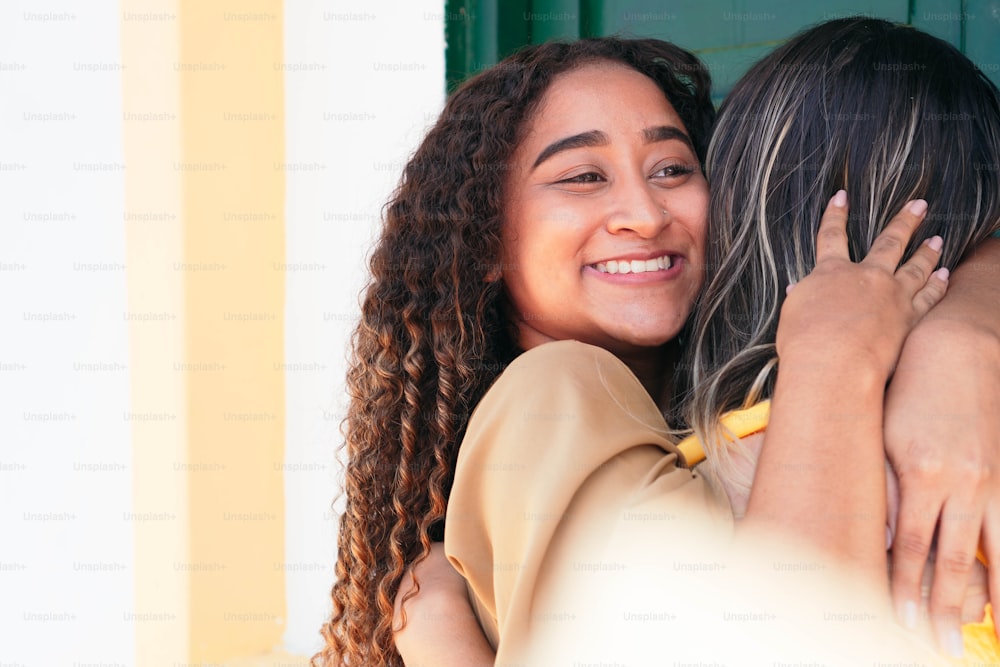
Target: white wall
{"points": [[371, 81], [65, 461]]}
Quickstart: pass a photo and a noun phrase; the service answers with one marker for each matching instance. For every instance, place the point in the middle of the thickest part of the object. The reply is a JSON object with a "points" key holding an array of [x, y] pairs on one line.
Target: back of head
{"points": [[884, 111]]}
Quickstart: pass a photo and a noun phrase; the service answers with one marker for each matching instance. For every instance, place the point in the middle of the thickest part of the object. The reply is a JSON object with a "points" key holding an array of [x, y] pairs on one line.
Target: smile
{"points": [[661, 263]]}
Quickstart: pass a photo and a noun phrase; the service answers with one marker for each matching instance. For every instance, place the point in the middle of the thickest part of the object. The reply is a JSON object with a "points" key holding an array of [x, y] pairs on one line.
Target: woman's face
{"points": [[605, 207]]}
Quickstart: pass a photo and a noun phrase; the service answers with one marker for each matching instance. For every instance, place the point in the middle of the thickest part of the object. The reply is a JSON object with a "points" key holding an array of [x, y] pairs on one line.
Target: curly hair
{"points": [[434, 332]]}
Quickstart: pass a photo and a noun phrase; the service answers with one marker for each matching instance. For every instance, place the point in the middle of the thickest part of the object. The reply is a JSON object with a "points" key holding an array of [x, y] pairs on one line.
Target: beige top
{"points": [[584, 543], [564, 447]]}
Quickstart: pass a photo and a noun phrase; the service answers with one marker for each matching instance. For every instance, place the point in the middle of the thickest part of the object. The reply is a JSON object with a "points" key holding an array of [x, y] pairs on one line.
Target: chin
{"points": [[646, 339]]}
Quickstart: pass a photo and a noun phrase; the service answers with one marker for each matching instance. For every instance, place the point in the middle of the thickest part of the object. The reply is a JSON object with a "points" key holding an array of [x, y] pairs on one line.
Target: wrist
{"points": [[857, 371]]}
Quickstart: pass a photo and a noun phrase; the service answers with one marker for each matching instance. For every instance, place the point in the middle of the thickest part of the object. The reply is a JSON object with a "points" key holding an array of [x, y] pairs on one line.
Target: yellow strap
{"points": [[740, 423]]}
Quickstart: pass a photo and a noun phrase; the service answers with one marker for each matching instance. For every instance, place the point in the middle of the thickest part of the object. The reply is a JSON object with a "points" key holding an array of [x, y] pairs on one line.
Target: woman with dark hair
{"points": [[795, 112], [887, 113], [437, 327]]}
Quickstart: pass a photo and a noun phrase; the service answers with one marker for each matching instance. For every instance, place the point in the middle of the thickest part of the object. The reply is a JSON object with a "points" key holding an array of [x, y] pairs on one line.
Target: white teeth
{"points": [[661, 263]]}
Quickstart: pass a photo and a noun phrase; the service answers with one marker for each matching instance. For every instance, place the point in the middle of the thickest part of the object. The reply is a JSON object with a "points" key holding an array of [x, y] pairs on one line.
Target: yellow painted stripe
{"points": [[155, 315], [232, 139]]}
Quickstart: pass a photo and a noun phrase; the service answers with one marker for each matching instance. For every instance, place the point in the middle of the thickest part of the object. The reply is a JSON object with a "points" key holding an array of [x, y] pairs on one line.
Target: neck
{"points": [[654, 370], [653, 366]]}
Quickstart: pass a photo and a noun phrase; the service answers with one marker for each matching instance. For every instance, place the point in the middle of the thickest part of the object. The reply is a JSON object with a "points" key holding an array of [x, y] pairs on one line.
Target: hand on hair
{"points": [[860, 313]]}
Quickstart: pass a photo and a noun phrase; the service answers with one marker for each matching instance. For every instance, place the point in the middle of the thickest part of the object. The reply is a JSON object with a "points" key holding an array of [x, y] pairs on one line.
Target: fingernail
{"points": [[839, 199], [917, 207], [791, 286], [942, 274], [936, 243], [888, 538], [952, 643], [910, 615]]}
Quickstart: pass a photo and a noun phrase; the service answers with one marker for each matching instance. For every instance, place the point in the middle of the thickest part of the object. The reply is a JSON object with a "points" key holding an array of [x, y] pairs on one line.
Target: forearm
{"points": [[821, 473], [941, 436], [973, 298]]}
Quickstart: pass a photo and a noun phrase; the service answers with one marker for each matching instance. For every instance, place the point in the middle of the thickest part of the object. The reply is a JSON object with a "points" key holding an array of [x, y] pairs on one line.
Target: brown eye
{"points": [[672, 171], [588, 177]]}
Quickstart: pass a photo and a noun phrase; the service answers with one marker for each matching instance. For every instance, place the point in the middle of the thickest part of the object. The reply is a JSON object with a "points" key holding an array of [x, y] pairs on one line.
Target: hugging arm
{"points": [[440, 626], [942, 436], [840, 333]]}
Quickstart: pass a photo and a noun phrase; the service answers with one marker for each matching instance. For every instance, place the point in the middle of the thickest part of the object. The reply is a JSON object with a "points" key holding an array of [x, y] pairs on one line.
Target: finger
{"points": [[910, 547], [913, 274], [958, 538], [931, 293], [831, 238], [888, 247], [990, 543], [892, 503]]}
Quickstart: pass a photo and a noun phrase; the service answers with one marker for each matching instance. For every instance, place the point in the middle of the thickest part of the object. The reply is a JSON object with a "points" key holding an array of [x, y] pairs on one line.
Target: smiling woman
{"points": [[440, 321], [605, 219], [568, 470]]}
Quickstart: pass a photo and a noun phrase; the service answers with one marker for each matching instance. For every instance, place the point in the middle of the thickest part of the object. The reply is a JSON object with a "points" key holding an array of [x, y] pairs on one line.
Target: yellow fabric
{"points": [[740, 423], [981, 644]]}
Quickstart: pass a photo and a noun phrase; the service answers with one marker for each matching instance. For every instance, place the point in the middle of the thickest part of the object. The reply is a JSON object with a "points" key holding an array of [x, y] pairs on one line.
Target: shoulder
{"points": [[570, 396]]}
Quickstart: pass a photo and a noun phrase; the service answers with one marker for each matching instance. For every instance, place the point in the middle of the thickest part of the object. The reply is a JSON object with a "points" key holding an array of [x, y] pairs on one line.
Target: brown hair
{"points": [[433, 334]]}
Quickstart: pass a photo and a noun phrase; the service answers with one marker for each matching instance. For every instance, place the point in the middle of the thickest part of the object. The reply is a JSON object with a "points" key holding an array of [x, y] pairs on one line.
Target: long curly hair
{"points": [[884, 111], [434, 331]]}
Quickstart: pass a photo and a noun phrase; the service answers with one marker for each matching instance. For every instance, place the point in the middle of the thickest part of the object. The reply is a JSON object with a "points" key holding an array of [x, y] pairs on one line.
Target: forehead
{"points": [[603, 93]]}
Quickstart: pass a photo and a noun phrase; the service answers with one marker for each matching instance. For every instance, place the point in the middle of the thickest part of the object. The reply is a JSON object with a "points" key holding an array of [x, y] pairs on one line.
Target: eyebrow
{"points": [[583, 140], [597, 138], [666, 133]]}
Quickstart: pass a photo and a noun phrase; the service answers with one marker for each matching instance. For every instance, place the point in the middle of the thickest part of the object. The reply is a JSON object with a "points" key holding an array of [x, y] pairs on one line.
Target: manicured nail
{"points": [[936, 243], [888, 538], [917, 207], [942, 274], [910, 615], [952, 643], [839, 199], [791, 286]]}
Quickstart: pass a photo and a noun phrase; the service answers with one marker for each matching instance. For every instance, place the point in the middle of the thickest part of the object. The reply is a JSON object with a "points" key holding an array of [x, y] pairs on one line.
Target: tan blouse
{"points": [[584, 543], [565, 446]]}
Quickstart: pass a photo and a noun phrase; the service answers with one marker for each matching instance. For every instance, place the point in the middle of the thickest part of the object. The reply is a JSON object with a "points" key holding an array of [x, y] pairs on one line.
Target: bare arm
{"points": [[942, 436], [840, 334], [440, 628]]}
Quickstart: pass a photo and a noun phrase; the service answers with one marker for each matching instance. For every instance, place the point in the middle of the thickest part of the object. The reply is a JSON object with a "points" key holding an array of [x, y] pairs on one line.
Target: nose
{"points": [[636, 209]]}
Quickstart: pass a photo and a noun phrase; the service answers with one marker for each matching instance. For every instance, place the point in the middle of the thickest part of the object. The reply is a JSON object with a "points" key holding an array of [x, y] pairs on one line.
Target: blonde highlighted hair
{"points": [[884, 111]]}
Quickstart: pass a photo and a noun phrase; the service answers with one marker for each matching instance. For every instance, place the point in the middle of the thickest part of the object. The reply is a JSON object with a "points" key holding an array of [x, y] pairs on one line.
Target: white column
{"points": [[363, 81]]}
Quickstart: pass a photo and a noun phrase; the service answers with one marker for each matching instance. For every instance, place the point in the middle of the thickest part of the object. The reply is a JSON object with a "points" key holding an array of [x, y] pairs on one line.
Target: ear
{"points": [[493, 275]]}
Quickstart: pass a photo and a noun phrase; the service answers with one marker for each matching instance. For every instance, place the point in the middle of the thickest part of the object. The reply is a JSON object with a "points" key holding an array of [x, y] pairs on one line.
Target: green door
{"points": [[728, 35]]}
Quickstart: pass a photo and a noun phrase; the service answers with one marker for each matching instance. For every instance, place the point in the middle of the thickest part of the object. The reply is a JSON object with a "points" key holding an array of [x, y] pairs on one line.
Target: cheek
{"points": [[699, 229]]}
